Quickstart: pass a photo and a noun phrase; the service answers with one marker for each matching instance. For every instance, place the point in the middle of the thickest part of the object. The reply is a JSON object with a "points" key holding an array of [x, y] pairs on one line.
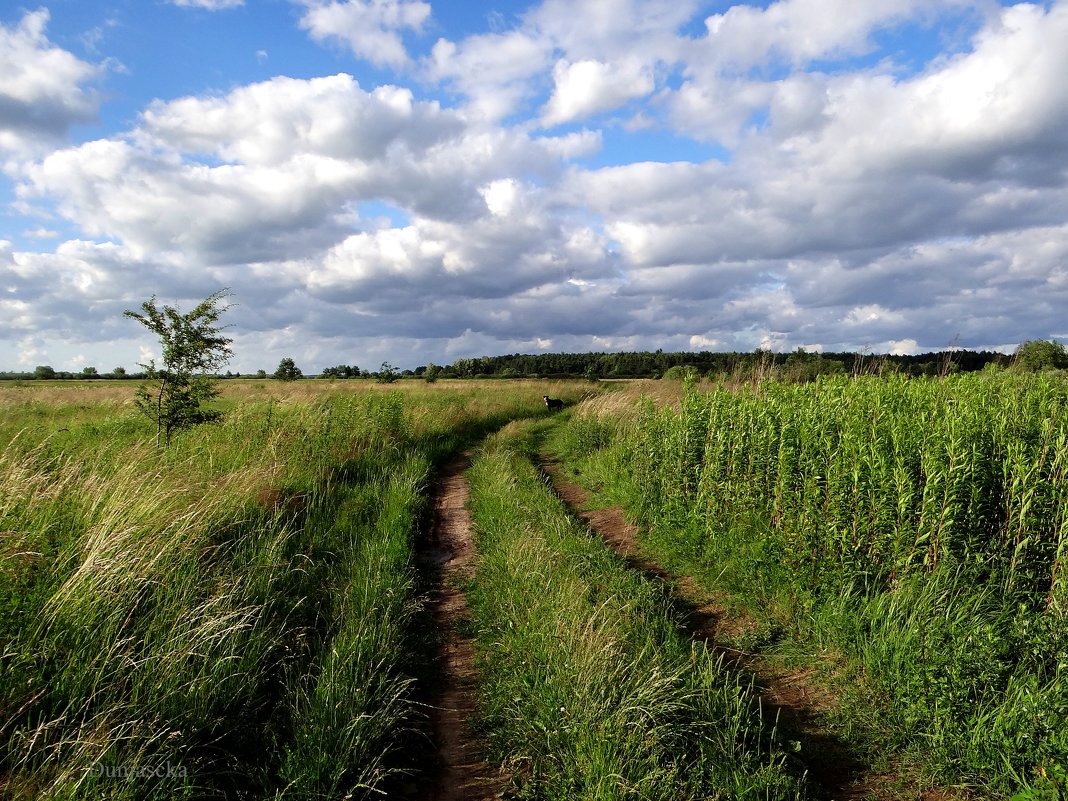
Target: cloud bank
{"points": [[534, 185]]}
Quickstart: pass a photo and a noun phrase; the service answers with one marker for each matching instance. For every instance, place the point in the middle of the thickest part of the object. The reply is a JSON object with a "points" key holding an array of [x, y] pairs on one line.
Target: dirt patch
{"points": [[460, 772], [833, 768], [277, 501]]}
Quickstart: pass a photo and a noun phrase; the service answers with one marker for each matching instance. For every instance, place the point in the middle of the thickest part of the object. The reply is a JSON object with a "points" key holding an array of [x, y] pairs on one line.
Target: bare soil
{"points": [[460, 772], [834, 769]]}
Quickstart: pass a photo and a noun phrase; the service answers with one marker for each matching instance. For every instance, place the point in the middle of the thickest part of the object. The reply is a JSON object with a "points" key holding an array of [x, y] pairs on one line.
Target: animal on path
{"points": [[553, 403]]}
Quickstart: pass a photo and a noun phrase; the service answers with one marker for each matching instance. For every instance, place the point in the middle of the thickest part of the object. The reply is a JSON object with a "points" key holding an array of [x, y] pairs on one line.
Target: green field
{"points": [[907, 538], [241, 608], [242, 614]]}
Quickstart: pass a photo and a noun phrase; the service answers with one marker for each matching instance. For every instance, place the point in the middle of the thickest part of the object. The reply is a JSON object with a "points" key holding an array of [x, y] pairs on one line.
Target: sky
{"points": [[419, 181]]}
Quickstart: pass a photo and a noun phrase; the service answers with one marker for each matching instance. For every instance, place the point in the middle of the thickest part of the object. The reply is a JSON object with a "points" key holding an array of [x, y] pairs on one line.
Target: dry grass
{"points": [[622, 403]]}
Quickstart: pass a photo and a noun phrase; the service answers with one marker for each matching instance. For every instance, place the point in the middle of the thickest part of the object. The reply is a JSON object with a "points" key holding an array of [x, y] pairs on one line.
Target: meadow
{"points": [[235, 616], [242, 615]]}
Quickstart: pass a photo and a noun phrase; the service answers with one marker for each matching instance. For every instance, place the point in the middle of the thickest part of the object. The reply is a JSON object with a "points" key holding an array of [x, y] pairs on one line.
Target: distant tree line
{"points": [[798, 365], [45, 372]]}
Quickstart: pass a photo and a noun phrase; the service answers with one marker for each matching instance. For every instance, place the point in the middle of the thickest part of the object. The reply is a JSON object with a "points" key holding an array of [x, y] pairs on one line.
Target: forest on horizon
{"points": [[797, 365]]}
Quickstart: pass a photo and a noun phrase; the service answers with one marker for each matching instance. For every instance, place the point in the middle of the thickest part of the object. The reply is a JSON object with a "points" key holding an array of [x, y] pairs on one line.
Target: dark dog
{"points": [[553, 403]]}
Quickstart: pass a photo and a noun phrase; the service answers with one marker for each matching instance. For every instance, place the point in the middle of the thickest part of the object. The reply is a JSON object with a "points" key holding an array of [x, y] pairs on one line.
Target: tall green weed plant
{"points": [[921, 526]]}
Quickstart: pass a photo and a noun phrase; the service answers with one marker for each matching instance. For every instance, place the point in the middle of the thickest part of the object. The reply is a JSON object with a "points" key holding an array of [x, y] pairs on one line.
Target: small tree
{"points": [[288, 370], [43, 372], [193, 345], [387, 374]]}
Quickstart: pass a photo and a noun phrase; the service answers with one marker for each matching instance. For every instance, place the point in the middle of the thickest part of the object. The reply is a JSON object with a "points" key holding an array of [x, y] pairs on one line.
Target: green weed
{"points": [[917, 528]]}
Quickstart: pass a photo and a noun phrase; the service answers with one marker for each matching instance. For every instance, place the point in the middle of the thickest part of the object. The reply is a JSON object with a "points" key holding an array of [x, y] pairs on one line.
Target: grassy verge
{"points": [[592, 690]]}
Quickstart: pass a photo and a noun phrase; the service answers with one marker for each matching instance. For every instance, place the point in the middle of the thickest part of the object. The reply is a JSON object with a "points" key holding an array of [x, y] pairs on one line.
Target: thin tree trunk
{"points": [[159, 411]]}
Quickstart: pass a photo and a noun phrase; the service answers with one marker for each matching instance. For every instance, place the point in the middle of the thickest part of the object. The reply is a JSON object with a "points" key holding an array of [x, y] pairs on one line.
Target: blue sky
{"points": [[415, 181]]}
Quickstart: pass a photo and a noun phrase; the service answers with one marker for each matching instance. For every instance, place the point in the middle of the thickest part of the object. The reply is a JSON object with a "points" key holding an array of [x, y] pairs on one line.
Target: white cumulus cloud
{"points": [[588, 86], [591, 173], [371, 28], [44, 90]]}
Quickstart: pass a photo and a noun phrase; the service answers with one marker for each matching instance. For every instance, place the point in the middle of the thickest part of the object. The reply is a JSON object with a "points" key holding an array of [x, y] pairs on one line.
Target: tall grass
{"points": [[592, 690], [921, 526], [234, 614]]}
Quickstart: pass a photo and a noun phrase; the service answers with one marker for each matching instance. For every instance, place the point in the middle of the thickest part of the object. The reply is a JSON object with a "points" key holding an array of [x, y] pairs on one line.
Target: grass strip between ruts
{"points": [[592, 690]]}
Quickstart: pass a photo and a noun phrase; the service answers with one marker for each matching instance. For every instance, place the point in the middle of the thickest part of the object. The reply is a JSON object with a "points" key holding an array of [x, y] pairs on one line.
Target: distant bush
{"points": [[681, 372], [387, 374], [1037, 355]]}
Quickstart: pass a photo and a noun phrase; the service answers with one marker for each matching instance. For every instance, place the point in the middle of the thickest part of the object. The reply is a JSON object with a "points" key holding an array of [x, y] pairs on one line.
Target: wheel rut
{"points": [[834, 769], [459, 771]]}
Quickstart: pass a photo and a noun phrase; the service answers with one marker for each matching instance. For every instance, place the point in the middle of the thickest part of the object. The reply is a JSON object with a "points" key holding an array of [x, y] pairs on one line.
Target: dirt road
{"points": [[460, 772]]}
